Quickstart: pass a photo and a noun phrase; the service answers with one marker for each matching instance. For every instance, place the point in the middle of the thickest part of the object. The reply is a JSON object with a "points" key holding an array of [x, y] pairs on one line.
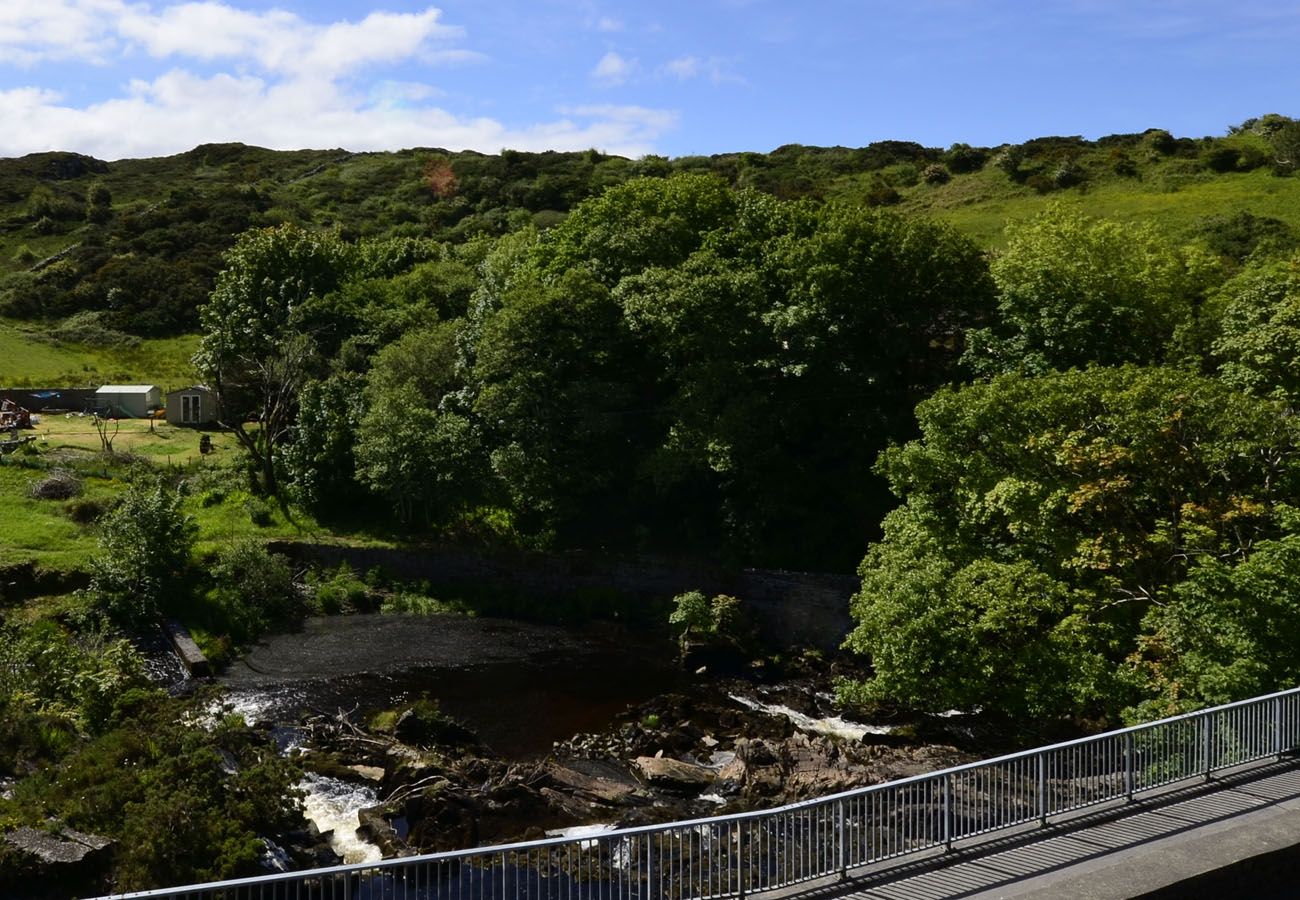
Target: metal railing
{"points": [[742, 854]]}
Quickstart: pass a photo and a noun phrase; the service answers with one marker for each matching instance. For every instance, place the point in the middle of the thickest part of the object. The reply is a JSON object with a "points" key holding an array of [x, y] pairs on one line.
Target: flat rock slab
{"points": [[672, 773], [62, 847]]}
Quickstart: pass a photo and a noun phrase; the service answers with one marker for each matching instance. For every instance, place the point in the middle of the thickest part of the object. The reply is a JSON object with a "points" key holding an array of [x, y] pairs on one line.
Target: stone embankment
{"points": [[792, 609]]}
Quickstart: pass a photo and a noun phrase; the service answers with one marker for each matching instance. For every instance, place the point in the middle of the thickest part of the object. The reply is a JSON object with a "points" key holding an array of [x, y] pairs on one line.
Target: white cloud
{"points": [[684, 67], [33, 31], [687, 68], [608, 24], [283, 82], [613, 69], [179, 110], [280, 41]]}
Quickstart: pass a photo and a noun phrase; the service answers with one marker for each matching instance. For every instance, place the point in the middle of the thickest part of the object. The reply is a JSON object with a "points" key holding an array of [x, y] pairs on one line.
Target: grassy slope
{"points": [[27, 360], [982, 203]]}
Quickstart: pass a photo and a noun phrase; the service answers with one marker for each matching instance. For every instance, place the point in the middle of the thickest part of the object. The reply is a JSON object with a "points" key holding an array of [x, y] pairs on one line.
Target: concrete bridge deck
{"points": [[1236, 836]]}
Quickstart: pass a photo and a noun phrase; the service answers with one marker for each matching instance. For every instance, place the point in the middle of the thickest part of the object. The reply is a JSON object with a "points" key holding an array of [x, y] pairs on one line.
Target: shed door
{"points": [[190, 408]]}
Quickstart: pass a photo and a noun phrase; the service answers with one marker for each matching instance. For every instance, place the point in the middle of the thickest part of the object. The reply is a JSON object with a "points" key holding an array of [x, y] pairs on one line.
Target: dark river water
{"points": [[518, 686]]}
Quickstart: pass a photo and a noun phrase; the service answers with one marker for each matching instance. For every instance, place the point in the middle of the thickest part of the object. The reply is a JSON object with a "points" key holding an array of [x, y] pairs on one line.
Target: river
{"points": [[518, 686]]}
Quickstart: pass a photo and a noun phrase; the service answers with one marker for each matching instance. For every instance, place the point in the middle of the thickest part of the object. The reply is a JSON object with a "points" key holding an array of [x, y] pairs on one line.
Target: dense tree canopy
{"points": [[254, 349], [1074, 291], [1058, 532]]}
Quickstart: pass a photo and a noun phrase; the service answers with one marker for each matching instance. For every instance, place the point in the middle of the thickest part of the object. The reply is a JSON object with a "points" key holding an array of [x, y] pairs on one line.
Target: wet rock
{"points": [[596, 782], [672, 774], [376, 828], [369, 773], [60, 862], [62, 847], [310, 847]]}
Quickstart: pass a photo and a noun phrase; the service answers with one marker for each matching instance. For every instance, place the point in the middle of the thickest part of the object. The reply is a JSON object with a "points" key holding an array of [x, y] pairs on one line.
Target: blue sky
{"points": [[130, 78]]}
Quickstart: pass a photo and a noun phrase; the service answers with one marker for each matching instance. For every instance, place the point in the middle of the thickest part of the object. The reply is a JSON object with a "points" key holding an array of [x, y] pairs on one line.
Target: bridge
{"points": [[1028, 824]]}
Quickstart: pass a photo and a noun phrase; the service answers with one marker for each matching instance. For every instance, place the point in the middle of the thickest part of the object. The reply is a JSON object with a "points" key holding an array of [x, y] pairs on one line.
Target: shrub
{"points": [[259, 512], [1160, 141], [1040, 183], [719, 622], [251, 590], [1220, 158], [1239, 235], [882, 194], [144, 549], [936, 174], [340, 591], [1122, 164], [1009, 161], [963, 158], [1068, 174], [85, 511]]}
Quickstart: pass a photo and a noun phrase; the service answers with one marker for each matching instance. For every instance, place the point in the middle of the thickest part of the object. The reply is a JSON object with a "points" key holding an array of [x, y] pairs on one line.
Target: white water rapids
{"points": [[830, 725], [333, 804]]}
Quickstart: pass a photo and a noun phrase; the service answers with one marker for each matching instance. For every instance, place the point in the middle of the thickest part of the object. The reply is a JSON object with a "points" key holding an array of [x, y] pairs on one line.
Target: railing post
{"points": [[947, 812], [742, 877], [841, 840], [1128, 767], [651, 890], [1041, 759], [1277, 728], [1207, 743]]}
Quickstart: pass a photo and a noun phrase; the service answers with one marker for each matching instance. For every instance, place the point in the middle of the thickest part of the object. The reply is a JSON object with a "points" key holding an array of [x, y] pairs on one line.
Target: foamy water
{"points": [[332, 804], [833, 726]]}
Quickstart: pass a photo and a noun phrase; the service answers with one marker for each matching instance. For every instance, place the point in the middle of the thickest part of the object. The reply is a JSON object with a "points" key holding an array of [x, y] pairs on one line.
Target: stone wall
{"points": [[794, 609]]}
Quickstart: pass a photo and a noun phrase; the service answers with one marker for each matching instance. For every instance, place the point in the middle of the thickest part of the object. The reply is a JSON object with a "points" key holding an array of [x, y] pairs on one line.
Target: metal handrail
{"points": [[743, 853]]}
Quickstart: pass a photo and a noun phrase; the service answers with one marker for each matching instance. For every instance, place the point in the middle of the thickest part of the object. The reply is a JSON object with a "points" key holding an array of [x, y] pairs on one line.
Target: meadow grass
{"points": [[27, 359], [982, 204]]}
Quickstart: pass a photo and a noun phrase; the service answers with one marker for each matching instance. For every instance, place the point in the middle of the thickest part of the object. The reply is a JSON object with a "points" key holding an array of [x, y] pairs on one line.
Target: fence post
{"points": [[1277, 728], [1128, 766], [1041, 759], [947, 812], [1207, 743], [744, 860], [841, 840], [651, 890]]}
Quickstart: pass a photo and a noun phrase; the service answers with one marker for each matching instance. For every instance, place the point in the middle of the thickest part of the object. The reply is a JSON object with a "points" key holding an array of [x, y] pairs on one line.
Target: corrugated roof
{"points": [[127, 389]]}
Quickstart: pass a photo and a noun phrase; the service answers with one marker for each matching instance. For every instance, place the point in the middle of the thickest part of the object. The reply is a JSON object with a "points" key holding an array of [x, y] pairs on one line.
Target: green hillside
{"points": [[139, 242]]}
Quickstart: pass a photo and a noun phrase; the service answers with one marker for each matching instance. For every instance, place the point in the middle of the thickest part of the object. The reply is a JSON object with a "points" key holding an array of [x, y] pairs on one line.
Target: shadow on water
{"points": [[518, 686]]}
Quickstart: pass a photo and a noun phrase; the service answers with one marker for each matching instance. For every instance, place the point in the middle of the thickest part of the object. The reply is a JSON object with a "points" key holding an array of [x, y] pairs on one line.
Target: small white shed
{"points": [[127, 401], [194, 405]]}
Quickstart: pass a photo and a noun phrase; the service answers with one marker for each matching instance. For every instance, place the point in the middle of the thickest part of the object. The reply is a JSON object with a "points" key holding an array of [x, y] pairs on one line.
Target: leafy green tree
{"points": [[145, 544], [555, 374], [1229, 632], [320, 462], [415, 446], [715, 391], [1074, 291], [1285, 140], [252, 349], [1045, 518], [1258, 345], [645, 222]]}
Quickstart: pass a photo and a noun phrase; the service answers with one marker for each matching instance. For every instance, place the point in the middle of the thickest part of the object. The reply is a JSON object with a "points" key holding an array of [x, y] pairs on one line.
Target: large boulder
{"points": [[57, 862], [672, 774]]}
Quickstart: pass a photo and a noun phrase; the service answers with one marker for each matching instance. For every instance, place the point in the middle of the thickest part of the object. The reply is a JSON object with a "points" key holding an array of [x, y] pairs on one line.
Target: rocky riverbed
{"points": [[714, 746], [423, 734]]}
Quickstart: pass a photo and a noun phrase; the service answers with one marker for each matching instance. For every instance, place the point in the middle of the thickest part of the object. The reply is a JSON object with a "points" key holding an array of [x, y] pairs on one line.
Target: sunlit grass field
{"points": [[28, 360]]}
